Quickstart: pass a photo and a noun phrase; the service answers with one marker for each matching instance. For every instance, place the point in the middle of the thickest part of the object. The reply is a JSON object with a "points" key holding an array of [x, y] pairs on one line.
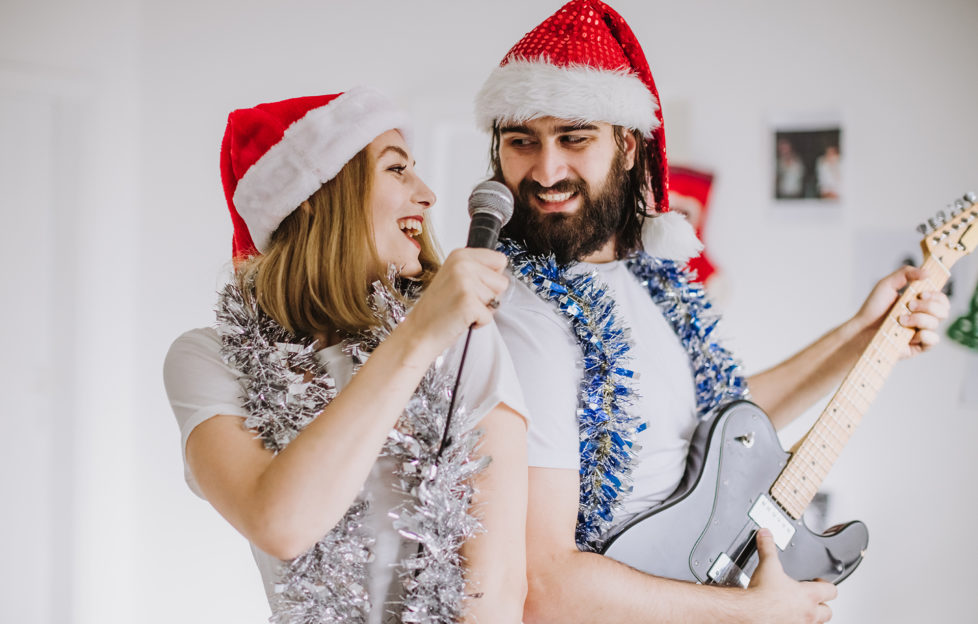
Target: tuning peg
{"points": [[934, 223], [924, 229], [942, 216], [970, 197]]}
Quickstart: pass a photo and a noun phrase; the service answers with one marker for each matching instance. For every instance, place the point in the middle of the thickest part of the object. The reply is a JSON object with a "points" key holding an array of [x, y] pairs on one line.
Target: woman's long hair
{"points": [[316, 274]]}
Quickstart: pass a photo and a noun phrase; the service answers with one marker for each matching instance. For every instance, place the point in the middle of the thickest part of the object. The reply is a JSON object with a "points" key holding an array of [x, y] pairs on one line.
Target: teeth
{"points": [[554, 197], [410, 226]]}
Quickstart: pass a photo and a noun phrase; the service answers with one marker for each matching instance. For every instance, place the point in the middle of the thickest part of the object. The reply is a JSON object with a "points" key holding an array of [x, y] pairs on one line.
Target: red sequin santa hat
{"points": [[584, 64], [690, 189], [276, 155]]}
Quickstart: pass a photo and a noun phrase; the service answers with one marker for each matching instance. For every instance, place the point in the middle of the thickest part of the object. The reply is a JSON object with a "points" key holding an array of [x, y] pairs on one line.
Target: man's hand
{"points": [[779, 598], [926, 312]]}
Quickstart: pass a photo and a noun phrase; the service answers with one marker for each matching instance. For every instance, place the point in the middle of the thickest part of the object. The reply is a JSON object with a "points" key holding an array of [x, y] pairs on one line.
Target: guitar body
{"points": [[738, 478], [704, 532]]}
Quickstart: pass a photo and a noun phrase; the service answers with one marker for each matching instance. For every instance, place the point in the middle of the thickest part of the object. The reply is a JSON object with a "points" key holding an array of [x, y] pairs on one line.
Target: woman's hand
{"points": [[459, 297]]}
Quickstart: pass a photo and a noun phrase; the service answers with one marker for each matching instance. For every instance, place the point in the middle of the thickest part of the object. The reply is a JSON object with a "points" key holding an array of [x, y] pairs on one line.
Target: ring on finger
{"points": [[493, 304]]}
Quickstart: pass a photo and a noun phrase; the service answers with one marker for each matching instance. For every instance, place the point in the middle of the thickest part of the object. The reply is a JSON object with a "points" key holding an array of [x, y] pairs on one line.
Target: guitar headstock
{"points": [[952, 233]]}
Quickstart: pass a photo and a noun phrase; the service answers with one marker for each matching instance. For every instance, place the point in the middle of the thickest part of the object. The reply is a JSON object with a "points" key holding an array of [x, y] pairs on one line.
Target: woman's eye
{"points": [[398, 169]]}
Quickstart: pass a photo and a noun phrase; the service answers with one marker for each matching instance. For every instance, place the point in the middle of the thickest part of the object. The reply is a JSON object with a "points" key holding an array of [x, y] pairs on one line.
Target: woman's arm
{"points": [[496, 559], [283, 503]]}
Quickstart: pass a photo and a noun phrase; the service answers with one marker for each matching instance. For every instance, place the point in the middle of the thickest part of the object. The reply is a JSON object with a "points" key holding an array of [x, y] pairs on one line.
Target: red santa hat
{"points": [[276, 155], [583, 63]]}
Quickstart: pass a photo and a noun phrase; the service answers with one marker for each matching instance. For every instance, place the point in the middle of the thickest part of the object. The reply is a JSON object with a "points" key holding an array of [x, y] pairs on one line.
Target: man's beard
{"points": [[571, 236]]}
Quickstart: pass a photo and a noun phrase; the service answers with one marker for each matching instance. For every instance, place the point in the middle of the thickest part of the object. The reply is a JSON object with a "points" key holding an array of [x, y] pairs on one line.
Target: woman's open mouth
{"points": [[412, 228]]}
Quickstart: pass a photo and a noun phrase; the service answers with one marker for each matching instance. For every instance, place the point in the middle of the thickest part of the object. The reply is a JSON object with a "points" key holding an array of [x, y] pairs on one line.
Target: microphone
{"points": [[490, 207]]}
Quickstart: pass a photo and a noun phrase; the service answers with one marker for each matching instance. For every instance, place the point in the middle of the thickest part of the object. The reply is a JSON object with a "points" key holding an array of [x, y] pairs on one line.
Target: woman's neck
{"points": [[327, 338]]}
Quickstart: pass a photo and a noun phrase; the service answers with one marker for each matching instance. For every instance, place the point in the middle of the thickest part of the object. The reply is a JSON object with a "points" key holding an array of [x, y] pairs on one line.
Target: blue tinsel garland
{"points": [[607, 428], [716, 373]]}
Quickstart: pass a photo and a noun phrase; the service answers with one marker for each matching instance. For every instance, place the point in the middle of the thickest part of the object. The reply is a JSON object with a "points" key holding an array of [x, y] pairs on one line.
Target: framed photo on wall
{"points": [[808, 161]]}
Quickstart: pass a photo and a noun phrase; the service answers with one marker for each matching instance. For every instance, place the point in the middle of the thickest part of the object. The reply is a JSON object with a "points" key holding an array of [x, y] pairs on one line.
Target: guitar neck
{"points": [[810, 463]]}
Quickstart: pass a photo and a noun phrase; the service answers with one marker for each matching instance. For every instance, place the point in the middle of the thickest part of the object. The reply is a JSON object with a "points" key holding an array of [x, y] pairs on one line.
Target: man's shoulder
{"points": [[521, 295], [522, 313]]}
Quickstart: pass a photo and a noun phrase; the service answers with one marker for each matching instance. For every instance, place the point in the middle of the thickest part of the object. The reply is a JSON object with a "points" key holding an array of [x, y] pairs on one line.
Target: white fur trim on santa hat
{"points": [[311, 152], [527, 89], [670, 236]]}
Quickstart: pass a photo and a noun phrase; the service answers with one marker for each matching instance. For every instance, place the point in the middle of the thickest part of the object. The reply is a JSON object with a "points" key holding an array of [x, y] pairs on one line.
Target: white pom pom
{"points": [[670, 236]]}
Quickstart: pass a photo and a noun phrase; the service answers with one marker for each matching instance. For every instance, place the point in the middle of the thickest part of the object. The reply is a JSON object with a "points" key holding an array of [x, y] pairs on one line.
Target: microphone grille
{"points": [[492, 197]]}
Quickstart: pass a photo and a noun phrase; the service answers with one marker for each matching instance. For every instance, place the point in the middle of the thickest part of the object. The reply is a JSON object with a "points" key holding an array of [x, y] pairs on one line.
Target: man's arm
{"points": [[567, 585], [791, 387]]}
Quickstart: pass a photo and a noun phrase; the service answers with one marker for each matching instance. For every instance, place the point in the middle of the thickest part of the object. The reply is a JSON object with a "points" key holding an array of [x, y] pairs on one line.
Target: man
{"points": [[614, 349]]}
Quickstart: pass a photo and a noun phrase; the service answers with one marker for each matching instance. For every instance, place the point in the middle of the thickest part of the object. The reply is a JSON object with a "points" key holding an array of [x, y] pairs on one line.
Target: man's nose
{"points": [[550, 166]]}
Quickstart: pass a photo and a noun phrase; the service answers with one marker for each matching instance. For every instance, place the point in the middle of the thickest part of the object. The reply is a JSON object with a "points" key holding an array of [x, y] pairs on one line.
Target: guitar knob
{"points": [[747, 439]]}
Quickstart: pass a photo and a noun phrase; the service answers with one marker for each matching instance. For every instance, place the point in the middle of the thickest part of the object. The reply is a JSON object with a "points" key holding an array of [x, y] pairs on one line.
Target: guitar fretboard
{"points": [[810, 463]]}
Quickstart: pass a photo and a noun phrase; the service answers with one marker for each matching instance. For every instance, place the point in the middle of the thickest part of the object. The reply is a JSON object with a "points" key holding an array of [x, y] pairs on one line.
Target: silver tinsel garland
{"points": [[285, 388]]}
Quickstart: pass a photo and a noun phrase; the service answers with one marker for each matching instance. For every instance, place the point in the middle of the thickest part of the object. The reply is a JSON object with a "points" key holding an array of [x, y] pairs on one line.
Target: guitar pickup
{"points": [[725, 572], [767, 516]]}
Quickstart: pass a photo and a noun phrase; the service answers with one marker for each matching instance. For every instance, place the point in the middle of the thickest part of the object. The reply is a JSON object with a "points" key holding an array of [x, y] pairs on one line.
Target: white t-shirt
{"points": [[548, 357], [200, 386]]}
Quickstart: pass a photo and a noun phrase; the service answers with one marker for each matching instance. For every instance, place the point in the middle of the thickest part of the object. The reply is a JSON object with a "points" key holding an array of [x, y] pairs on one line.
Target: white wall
{"points": [[72, 333], [150, 239]]}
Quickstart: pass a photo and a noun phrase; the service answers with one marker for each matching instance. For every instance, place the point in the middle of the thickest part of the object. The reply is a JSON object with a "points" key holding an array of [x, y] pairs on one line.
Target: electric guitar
{"points": [[739, 479]]}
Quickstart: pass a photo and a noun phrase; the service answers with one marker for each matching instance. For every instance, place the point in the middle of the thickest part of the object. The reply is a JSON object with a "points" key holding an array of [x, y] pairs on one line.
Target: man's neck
{"points": [[603, 255]]}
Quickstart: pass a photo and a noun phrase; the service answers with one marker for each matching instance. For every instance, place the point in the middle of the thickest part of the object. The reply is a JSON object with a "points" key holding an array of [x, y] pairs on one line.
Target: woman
{"points": [[354, 510]]}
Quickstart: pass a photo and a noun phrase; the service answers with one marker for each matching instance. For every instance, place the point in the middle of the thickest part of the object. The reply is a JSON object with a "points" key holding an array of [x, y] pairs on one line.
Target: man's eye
{"points": [[520, 142], [573, 139]]}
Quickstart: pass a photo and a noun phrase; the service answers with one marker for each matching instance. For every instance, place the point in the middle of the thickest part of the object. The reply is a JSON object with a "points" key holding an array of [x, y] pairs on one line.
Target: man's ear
{"points": [[628, 140]]}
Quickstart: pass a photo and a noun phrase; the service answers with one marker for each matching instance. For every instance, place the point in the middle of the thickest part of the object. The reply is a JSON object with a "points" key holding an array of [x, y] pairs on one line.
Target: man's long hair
{"points": [[635, 182]]}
